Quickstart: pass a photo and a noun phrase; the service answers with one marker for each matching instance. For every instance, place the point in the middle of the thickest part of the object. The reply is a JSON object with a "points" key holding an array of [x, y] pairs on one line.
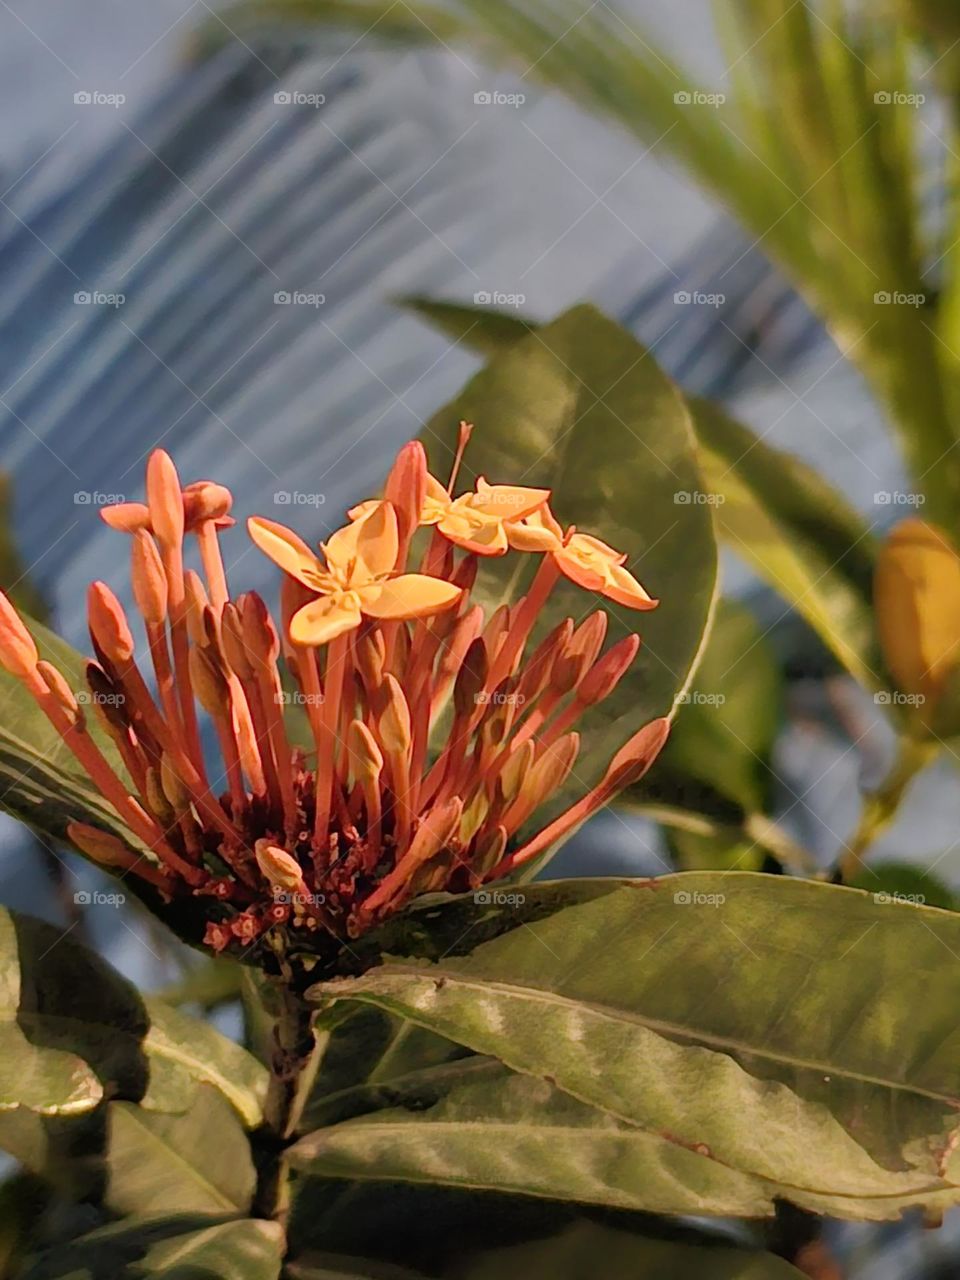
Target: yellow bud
{"points": [[280, 869], [916, 592]]}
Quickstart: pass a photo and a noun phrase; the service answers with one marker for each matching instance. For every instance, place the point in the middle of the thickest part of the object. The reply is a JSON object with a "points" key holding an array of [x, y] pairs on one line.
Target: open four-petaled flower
{"points": [[356, 579]]}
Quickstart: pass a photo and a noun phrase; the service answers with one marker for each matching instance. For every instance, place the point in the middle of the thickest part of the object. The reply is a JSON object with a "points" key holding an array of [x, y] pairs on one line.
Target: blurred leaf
{"points": [[907, 881], [581, 408], [797, 532], [574, 1254], [13, 573], [476, 1124], [481, 329], [184, 1247], [209, 983], [318, 1266], [198, 1162], [820, 1074], [74, 1031]]}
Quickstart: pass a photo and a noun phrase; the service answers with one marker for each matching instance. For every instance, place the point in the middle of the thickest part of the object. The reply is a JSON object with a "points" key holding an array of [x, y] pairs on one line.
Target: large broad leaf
{"points": [[476, 1124], [177, 1248], [579, 407], [575, 1253], [198, 1162], [770, 1024], [798, 533], [74, 1031]]}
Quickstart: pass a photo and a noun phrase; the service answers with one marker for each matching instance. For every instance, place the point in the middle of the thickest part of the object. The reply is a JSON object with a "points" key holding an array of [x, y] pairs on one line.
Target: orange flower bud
{"points": [[164, 499], [916, 593], [148, 578], [18, 653], [60, 690], [108, 624]]}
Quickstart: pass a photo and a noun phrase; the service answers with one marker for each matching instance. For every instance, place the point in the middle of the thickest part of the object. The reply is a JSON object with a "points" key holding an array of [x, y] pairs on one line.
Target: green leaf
{"points": [[176, 1248], [579, 407], [40, 780], [772, 1024], [905, 881], [797, 532], [198, 1162], [74, 1031], [575, 1253], [474, 1124]]}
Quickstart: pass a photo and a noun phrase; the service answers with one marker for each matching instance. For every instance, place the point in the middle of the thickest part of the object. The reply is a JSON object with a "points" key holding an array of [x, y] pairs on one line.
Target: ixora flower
{"points": [[436, 734]]}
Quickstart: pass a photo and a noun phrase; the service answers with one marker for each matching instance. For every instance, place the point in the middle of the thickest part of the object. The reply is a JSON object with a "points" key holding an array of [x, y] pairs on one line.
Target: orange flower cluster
{"points": [[436, 734]]}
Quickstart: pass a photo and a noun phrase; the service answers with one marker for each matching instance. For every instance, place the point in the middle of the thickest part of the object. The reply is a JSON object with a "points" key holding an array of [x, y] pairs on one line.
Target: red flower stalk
{"points": [[437, 736]]}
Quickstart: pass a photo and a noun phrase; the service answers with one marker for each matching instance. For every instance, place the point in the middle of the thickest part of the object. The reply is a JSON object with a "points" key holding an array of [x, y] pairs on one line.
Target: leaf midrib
{"points": [[660, 1026]]}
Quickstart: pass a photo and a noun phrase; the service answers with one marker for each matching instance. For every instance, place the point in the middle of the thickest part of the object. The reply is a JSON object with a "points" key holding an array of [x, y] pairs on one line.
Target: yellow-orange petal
{"points": [[324, 619], [586, 576], [288, 551], [18, 652], [412, 595], [363, 509], [484, 535], [507, 501], [590, 547], [365, 548], [524, 535], [623, 588]]}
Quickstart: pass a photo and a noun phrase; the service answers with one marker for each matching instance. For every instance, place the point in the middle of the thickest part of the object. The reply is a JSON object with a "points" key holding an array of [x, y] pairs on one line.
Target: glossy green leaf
{"points": [[812, 1064], [476, 1124], [197, 1162], [74, 1031], [183, 1247], [579, 407], [574, 1254]]}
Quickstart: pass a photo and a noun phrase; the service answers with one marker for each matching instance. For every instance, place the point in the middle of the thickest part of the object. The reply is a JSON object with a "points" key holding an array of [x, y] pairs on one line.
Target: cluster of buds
{"points": [[436, 734]]}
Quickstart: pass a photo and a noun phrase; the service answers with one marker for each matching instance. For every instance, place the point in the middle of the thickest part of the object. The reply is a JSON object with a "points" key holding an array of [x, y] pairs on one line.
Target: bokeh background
{"points": [[168, 179]]}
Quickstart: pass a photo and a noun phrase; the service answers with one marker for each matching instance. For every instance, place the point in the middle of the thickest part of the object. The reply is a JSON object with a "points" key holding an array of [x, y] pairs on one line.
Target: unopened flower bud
{"points": [[18, 653], [165, 499], [394, 722], [108, 624], [208, 682], [149, 578], [99, 845], [279, 867], [60, 690]]}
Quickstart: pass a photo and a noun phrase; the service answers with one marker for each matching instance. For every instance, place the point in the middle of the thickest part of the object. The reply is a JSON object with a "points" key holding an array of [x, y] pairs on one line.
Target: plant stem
{"points": [[880, 806], [293, 1068]]}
